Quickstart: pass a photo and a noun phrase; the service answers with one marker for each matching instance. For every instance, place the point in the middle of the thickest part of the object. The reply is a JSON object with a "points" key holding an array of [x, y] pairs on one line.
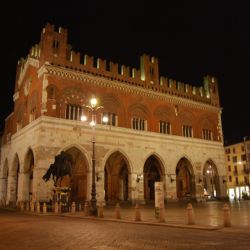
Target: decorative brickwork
{"points": [[159, 126]]}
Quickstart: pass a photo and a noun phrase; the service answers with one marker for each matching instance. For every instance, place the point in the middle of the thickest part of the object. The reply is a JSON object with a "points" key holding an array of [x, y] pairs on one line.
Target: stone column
{"points": [[42, 190], [137, 190], [100, 188], [171, 188], [193, 187], [23, 187], [12, 188], [199, 194], [222, 192]]}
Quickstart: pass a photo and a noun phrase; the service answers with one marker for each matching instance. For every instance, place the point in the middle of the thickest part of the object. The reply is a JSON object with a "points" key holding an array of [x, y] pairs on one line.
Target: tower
{"points": [[149, 70]]}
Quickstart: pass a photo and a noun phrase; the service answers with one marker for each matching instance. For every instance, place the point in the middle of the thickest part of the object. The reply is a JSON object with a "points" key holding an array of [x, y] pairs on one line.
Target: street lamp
{"points": [[93, 108]]}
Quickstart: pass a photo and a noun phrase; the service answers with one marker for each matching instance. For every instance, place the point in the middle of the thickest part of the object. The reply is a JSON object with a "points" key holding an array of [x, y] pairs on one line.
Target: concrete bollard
{"points": [[73, 207], [32, 207], [101, 210], [117, 211], [190, 214], [86, 208], [137, 212], [44, 208], [162, 214], [22, 206], [38, 209], [226, 212], [56, 207]]}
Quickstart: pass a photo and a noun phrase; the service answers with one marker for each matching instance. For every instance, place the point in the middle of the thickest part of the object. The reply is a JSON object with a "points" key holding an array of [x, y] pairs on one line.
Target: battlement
{"points": [[53, 48]]}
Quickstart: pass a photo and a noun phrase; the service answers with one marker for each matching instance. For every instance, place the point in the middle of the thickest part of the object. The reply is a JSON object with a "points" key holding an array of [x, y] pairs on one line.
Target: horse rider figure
{"points": [[60, 168]]}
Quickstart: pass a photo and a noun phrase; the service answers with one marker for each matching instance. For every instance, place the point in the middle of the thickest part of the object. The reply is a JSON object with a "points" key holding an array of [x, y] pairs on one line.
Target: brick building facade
{"points": [[159, 129]]}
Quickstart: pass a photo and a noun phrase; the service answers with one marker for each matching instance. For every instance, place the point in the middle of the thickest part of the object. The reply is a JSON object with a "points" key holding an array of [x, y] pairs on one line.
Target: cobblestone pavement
{"points": [[206, 215], [24, 231]]}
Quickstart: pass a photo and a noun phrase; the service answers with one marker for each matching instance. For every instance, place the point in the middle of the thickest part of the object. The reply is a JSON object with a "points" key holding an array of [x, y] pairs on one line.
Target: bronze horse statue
{"points": [[60, 168]]}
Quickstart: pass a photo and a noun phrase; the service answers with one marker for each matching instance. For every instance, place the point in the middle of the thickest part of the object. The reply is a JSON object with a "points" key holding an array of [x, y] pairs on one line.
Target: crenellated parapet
{"points": [[53, 48]]}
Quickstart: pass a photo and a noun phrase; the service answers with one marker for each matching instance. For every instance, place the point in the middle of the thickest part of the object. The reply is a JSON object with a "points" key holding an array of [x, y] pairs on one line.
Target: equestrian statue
{"points": [[60, 168]]}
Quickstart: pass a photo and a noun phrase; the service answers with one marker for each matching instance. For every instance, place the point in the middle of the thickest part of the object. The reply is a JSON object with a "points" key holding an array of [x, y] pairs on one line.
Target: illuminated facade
{"points": [[159, 129], [237, 165]]}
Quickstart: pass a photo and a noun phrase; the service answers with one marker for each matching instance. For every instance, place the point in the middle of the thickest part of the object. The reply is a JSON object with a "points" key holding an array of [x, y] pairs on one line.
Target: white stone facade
{"points": [[47, 136]]}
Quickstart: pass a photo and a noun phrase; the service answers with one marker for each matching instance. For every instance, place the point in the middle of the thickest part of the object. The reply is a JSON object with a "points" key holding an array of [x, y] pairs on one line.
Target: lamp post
{"points": [[93, 108]]}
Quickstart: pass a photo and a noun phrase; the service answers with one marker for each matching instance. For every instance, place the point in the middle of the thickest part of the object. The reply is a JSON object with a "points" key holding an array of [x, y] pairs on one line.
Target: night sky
{"points": [[190, 39]]}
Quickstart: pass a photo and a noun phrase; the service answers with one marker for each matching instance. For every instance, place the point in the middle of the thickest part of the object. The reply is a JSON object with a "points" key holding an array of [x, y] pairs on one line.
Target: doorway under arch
{"points": [[78, 181], [152, 173], [116, 181], [28, 191], [210, 180], [185, 181]]}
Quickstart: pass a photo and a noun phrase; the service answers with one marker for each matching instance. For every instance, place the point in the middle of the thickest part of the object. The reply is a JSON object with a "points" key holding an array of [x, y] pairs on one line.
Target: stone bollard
{"points": [[162, 214], [56, 207], [22, 206], [38, 207], [137, 212], [73, 207], [117, 211], [101, 210], [44, 208], [32, 207], [86, 208], [226, 212], [190, 214]]}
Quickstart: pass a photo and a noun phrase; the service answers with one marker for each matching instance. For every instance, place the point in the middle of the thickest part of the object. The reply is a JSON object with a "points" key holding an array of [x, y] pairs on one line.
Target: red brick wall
{"points": [[53, 48]]}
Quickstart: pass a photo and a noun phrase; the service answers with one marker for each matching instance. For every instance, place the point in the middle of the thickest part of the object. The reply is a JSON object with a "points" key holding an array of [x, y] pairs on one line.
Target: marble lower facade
{"points": [[128, 163]]}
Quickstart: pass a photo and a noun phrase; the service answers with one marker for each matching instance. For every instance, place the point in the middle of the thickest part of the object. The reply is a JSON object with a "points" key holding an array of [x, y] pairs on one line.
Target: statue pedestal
{"points": [[61, 197]]}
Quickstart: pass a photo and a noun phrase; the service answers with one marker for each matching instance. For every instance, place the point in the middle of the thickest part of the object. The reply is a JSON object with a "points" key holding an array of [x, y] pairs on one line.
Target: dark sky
{"points": [[190, 39]]}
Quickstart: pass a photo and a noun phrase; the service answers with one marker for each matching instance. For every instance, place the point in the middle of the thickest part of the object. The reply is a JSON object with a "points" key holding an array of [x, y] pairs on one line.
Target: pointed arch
{"points": [[139, 110], [164, 112], [159, 158], [28, 175], [212, 163], [28, 160], [210, 179], [78, 182], [153, 171], [122, 152], [117, 180], [81, 149], [15, 168], [186, 157], [185, 179]]}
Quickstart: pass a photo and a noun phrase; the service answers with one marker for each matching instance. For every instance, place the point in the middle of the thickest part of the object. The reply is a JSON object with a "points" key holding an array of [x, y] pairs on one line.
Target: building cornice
{"points": [[122, 86]]}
